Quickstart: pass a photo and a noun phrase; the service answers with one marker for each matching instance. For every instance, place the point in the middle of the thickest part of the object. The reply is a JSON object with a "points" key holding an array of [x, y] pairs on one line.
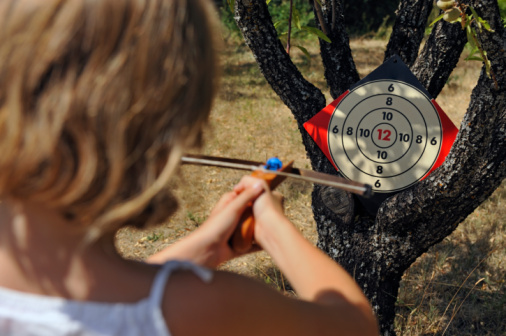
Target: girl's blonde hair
{"points": [[98, 100]]}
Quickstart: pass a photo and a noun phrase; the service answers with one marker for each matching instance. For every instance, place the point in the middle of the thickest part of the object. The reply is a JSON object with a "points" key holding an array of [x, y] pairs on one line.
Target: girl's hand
{"points": [[267, 209], [224, 218], [208, 245]]}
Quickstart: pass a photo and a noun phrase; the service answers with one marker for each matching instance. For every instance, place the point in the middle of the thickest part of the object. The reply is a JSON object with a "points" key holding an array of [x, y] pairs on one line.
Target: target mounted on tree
{"points": [[386, 131]]}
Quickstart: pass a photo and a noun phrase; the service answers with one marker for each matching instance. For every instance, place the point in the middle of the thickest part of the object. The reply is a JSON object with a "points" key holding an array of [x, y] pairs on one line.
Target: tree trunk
{"points": [[377, 250]]}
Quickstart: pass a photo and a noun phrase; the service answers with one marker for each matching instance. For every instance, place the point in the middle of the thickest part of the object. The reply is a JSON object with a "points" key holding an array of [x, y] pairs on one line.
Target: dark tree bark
{"points": [[439, 56], [408, 31], [377, 250]]}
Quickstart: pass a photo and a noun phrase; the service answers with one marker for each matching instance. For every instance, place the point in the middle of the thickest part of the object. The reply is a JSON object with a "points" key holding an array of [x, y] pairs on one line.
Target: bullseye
{"points": [[386, 135]]}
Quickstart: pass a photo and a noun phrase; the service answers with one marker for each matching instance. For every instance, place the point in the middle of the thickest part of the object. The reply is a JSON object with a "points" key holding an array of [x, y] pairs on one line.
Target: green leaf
{"points": [[474, 51], [482, 23], [317, 32], [296, 18], [474, 12], [304, 50], [469, 19], [436, 20], [470, 37], [485, 24], [480, 26], [277, 23], [474, 58], [231, 4], [488, 67], [267, 1]]}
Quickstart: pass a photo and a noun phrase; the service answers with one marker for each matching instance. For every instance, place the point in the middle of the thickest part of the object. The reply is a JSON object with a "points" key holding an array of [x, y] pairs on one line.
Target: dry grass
{"points": [[249, 121], [462, 279]]}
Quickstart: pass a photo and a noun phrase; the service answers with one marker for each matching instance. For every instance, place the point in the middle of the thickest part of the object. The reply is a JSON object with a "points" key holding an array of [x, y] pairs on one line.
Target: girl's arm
{"points": [[313, 275], [208, 245], [331, 303]]}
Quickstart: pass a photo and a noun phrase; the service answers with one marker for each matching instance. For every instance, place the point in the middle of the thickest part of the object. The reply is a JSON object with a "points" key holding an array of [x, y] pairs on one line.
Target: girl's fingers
{"points": [[249, 181], [246, 195], [230, 208], [245, 183]]}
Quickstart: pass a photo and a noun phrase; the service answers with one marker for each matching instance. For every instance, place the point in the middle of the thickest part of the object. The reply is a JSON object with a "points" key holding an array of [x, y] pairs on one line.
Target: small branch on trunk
{"points": [[289, 28], [319, 15]]}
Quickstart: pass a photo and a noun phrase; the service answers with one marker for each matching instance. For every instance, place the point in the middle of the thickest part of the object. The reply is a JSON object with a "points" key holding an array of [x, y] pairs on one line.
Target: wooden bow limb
{"points": [[242, 239]]}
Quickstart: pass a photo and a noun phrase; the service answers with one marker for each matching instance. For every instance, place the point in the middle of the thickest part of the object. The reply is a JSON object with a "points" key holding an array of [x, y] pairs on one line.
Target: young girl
{"points": [[98, 101]]}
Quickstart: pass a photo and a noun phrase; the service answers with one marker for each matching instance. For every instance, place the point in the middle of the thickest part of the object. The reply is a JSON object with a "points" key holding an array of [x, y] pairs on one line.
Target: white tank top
{"points": [[23, 314]]}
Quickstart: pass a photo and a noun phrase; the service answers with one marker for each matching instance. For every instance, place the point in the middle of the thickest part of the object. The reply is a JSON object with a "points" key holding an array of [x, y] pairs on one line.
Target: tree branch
{"points": [[340, 71], [408, 30], [288, 39], [319, 16], [439, 56]]}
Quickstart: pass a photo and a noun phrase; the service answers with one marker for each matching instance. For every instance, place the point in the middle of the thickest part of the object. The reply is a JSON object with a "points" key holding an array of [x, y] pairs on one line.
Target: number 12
{"points": [[386, 134]]}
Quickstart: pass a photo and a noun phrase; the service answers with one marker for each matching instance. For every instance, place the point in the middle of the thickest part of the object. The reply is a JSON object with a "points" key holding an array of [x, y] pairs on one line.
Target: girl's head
{"points": [[98, 99]]}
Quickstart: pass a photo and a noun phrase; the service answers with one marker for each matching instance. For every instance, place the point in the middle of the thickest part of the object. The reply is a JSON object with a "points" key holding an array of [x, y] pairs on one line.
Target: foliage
{"points": [[279, 10], [502, 10], [227, 17], [472, 23], [365, 16], [300, 25], [295, 21], [361, 16]]}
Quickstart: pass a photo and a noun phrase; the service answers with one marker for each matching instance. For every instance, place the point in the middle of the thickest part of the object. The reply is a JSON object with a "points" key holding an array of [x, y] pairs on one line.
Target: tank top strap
{"points": [[161, 278]]}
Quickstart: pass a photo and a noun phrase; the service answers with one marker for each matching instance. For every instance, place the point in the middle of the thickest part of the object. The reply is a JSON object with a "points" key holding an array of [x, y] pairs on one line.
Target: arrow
{"points": [[361, 189]]}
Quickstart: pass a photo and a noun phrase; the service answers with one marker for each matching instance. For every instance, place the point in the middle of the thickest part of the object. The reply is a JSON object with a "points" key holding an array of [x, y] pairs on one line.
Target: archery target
{"points": [[385, 133]]}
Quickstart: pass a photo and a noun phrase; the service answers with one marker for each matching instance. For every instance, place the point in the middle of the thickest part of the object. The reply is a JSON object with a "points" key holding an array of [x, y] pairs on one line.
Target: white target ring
{"points": [[385, 133]]}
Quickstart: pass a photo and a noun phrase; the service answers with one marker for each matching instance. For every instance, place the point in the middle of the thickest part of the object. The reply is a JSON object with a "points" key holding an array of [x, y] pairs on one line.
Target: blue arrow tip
{"points": [[273, 164]]}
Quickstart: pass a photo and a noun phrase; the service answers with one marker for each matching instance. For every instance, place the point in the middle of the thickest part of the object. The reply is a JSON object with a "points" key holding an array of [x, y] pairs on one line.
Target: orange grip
{"points": [[242, 238]]}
